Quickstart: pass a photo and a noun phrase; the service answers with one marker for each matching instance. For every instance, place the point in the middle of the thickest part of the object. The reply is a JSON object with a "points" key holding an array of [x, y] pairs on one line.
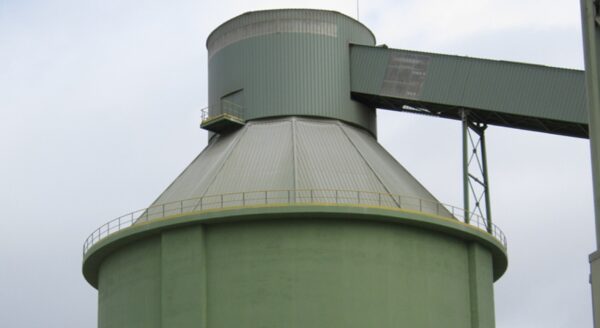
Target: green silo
{"points": [[293, 215]]}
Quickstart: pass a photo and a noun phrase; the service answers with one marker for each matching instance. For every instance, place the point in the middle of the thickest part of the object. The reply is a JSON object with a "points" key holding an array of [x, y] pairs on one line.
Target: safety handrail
{"points": [[290, 197], [223, 107]]}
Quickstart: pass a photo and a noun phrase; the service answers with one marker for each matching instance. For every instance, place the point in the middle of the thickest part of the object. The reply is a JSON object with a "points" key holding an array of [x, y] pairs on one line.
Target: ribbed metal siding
{"points": [[327, 159], [530, 90], [291, 73], [305, 21], [296, 154], [262, 160], [504, 87], [396, 179], [196, 178]]}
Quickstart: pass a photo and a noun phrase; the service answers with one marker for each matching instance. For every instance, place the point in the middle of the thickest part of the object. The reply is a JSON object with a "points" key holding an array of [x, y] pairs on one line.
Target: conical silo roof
{"points": [[295, 154]]}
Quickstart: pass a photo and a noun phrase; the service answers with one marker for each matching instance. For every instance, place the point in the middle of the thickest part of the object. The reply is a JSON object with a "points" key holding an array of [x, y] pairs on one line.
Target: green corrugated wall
{"points": [[284, 74]]}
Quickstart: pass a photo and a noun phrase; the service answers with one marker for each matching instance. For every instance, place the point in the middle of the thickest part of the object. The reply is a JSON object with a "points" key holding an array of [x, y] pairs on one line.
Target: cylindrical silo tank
{"points": [[293, 215]]}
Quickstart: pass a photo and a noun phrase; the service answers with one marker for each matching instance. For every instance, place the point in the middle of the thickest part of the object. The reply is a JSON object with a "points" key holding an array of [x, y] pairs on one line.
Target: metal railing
{"points": [[288, 198], [224, 107]]}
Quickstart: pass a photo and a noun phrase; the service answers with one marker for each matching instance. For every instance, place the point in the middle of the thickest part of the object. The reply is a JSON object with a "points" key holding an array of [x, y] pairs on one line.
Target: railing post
{"points": [[336, 196], [379, 198], [288, 194], [266, 200], [311, 196], [358, 196], [181, 207], [221, 200], [243, 199], [163, 210], [399, 201], [420, 205]]}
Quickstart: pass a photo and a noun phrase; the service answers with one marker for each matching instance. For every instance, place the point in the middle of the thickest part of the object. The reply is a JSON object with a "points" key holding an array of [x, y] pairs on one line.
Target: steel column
{"points": [[590, 20], [465, 159], [591, 41], [486, 181], [476, 184]]}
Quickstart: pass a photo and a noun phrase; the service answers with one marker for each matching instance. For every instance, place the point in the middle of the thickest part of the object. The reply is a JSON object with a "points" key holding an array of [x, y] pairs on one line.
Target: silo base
{"points": [[297, 272]]}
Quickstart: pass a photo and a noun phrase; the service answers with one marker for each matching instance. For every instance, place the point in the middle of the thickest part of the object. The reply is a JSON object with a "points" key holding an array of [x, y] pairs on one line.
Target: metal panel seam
{"points": [[366, 162], [210, 145], [236, 142], [294, 164]]}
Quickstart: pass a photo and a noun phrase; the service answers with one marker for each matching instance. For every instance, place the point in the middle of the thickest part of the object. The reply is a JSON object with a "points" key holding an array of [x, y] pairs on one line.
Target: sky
{"points": [[99, 111]]}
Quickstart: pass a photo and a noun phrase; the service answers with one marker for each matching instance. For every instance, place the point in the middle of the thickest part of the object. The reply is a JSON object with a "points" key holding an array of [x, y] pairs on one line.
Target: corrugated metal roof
{"points": [[262, 160], [295, 153], [327, 160], [516, 95], [198, 176], [392, 175]]}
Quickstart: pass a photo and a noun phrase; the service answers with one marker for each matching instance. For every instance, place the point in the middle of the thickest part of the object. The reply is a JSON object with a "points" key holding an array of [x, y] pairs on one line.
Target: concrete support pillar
{"points": [[481, 290], [183, 278]]}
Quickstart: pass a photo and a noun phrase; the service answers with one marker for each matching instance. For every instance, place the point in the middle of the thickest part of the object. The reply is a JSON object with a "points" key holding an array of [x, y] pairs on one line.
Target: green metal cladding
{"points": [[517, 95], [351, 262], [288, 62], [297, 154]]}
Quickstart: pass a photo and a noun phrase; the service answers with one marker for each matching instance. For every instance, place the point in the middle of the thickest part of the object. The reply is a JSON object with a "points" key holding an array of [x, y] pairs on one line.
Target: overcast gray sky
{"points": [[99, 112]]}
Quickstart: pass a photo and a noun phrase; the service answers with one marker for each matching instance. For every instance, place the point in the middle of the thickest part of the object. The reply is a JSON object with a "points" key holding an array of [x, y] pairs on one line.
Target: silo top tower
{"points": [[286, 62]]}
